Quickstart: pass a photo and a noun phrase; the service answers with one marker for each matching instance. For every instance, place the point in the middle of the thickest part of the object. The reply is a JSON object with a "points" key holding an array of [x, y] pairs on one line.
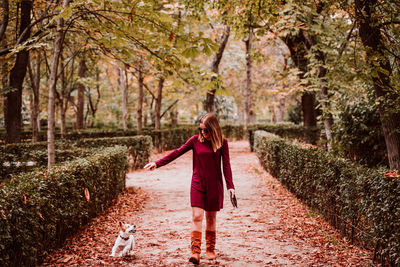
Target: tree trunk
{"points": [[4, 71], [140, 101], [308, 107], [146, 109], [152, 111], [209, 103], [249, 114], [81, 97], [5, 16], [174, 117], [93, 106], [52, 90], [279, 108], [326, 114], [372, 39], [34, 96], [124, 87], [298, 46], [13, 98], [63, 108], [157, 107]]}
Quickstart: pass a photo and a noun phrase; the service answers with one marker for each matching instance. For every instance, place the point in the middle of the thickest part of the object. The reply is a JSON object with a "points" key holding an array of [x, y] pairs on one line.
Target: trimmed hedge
{"points": [[168, 139], [74, 135], [236, 132], [40, 209], [286, 130], [140, 148], [360, 202], [36, 158]]}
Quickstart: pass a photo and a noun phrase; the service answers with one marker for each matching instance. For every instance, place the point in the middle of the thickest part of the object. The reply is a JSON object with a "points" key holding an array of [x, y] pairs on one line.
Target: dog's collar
{"points": [[124, 238]]}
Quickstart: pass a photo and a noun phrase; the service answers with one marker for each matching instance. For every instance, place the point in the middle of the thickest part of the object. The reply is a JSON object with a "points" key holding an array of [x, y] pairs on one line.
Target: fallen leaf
{"points": [[87, 195]]}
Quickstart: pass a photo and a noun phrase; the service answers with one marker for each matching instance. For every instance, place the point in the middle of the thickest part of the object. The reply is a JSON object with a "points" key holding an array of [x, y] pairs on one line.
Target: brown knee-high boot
{"points": [[210, 244], [195, 246]]}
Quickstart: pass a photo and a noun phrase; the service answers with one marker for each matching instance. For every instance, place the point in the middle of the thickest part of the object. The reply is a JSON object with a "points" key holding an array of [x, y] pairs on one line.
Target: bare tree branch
{"points": [[4, 22], [170, 106]]}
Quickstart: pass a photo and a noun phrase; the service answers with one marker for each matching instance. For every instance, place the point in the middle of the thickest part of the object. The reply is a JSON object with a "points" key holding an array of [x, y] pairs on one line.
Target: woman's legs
{"points": [[211, 219], [195, 237], [197, 218]]}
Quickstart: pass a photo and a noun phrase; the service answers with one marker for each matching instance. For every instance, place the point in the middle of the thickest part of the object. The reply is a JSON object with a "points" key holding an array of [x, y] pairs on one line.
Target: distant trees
{"points": [[336, 51]]}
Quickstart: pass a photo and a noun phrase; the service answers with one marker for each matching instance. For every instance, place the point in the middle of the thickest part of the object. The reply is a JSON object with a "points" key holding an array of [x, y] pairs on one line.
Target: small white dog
{"points": [[125, 242]]}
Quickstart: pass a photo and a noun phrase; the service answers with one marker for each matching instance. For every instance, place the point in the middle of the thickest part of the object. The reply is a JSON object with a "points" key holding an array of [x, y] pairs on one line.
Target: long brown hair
{"points": [[212, 125]]}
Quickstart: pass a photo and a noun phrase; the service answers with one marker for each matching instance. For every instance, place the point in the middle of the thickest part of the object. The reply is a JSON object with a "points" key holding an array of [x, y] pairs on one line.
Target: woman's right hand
{"points": [[150, 166]]}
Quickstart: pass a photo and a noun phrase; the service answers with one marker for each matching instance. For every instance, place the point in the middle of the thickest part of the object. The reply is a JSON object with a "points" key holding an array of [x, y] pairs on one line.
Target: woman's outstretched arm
{"points": [[173, 155]]}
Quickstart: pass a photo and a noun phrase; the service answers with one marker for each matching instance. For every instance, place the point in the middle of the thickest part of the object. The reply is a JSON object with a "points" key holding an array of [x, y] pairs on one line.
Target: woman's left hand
{"points": [[231, 191]]}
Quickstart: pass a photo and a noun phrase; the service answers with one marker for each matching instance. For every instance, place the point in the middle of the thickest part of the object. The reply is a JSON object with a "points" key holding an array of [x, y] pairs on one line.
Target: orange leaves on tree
{"points": [[87, 194], [133, 12], [391, 174], [171, 36]]}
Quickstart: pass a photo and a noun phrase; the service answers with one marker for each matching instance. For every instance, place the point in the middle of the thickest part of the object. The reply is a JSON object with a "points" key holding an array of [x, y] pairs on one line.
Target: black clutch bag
{"points": [[233, 200]]}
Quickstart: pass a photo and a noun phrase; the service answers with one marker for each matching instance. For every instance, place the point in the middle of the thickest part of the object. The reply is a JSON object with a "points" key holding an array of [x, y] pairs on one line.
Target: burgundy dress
{"points": [[207, 186]]}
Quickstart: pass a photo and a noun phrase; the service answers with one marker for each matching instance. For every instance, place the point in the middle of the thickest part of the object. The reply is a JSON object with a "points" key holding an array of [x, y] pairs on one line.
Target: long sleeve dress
{"points": [[207, 185]]}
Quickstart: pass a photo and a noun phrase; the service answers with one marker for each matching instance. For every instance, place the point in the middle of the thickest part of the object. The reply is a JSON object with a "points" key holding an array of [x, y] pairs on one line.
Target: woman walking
{"points": [[206, 192]]}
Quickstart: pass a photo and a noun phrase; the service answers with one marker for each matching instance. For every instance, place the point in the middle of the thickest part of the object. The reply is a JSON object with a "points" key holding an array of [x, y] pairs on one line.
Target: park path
{"points": [[270, 227]]}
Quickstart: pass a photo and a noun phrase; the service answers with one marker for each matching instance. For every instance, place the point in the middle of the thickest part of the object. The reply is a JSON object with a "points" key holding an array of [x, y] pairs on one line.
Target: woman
{"points": [[206, 192]]}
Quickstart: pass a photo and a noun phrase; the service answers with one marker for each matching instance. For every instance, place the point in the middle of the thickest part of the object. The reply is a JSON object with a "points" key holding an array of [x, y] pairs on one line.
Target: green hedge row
{"points": [[286, 130], [140, 148], [167, 139], [361, 202], [235, 132], [74, 135], [35, 159], [39, 210]]}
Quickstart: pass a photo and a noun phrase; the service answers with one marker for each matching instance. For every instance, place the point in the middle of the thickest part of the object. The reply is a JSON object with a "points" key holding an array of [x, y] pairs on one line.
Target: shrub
{"points": [[286, 130], [236, 132], [360, 202], [167, 139], [74, 134], [358, 135], [27, 160], [40, 209], [140, 148]]}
